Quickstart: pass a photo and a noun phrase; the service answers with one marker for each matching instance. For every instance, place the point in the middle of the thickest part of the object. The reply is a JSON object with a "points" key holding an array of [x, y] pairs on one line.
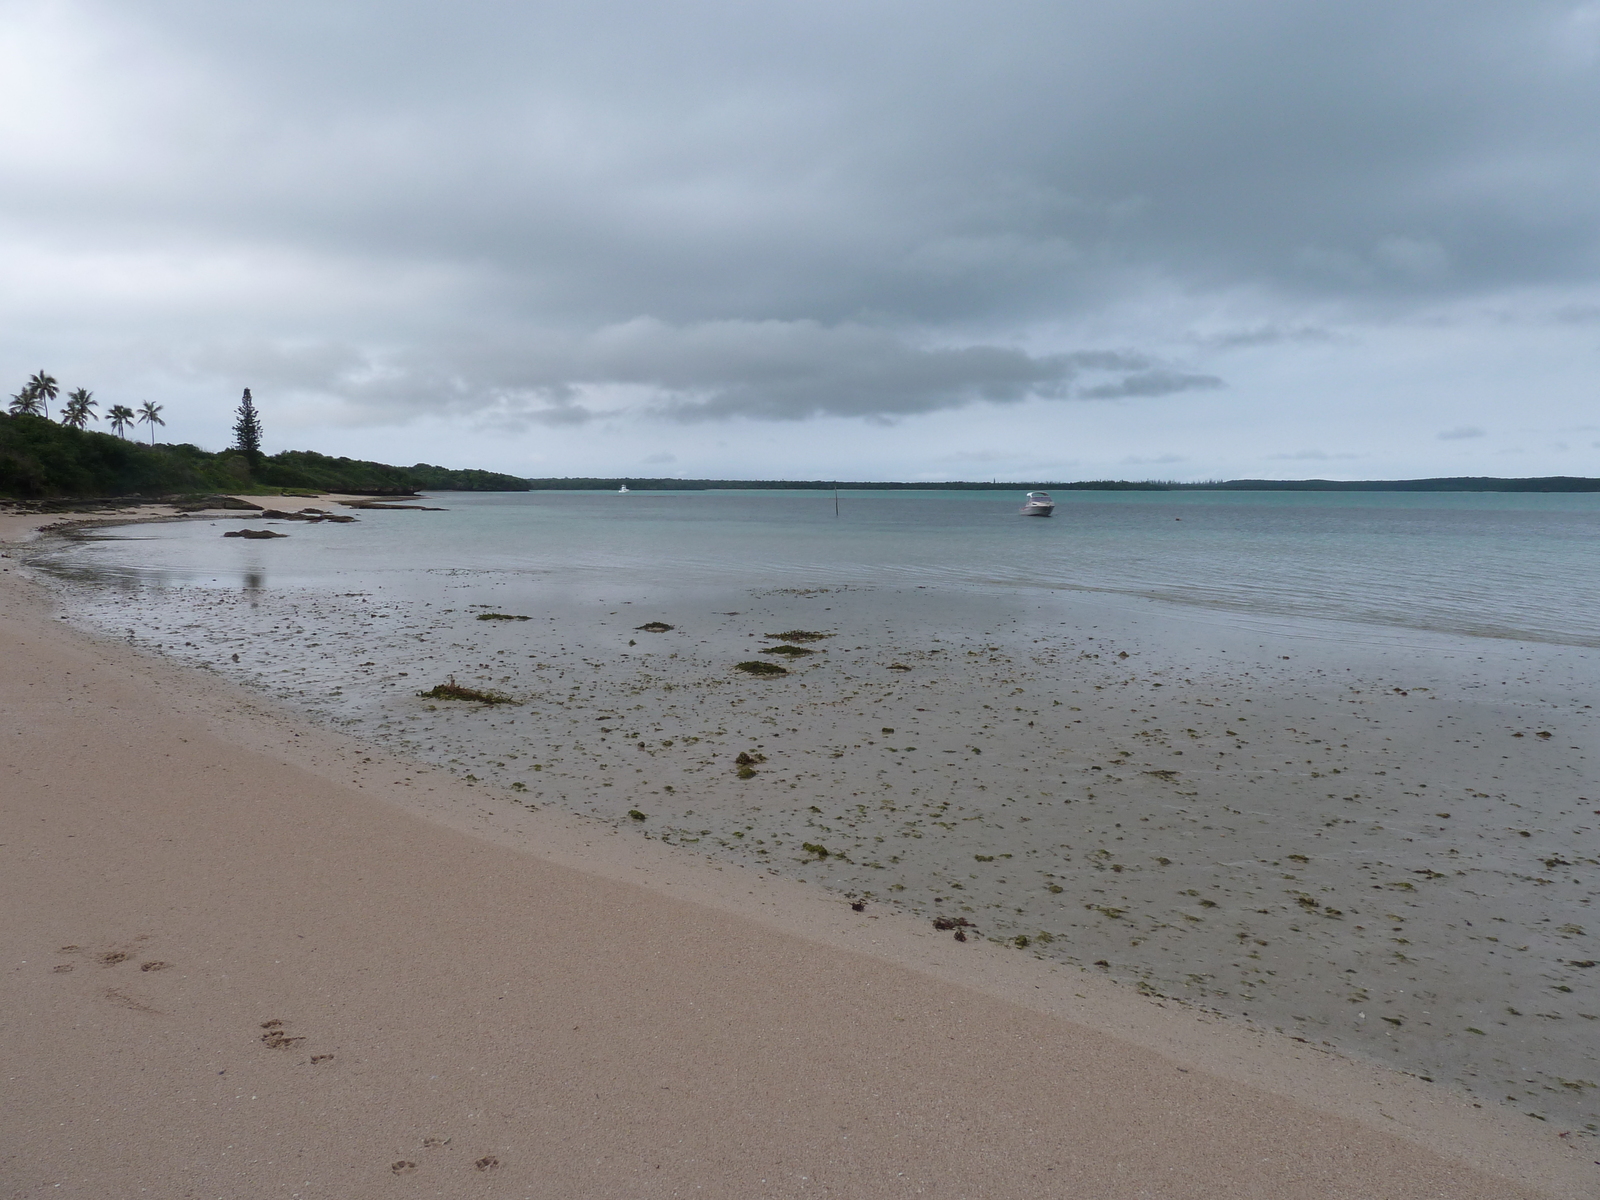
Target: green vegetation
{"points": [[80, 408], [799, 635], [247, 431], [455, 691], [40, 459], [760, 668], [35, 396], [150, 414], [308, 469], [121, 418]]}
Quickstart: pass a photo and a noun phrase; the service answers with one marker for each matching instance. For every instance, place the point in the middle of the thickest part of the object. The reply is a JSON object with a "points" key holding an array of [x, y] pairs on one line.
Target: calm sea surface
{"points": [[1484, 564]]}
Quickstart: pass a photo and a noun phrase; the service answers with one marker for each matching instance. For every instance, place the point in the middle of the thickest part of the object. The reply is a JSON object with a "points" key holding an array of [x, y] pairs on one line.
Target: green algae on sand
{"points": [[455, 691]]}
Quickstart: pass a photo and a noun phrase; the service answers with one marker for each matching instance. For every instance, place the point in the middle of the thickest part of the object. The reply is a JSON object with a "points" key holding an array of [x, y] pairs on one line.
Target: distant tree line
{"points": [[44, 458], [33, 400], [1550, 483]]}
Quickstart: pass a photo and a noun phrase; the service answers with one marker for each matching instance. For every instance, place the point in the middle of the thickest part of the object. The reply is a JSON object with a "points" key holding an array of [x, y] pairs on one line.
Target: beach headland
{"points": [[249, 955]]}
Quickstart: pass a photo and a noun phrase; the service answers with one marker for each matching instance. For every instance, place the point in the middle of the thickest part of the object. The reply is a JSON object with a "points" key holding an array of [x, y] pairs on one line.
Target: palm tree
{"points": [[45, 388], [25, 402], [149, 414], [79, 410], [120, 416]]}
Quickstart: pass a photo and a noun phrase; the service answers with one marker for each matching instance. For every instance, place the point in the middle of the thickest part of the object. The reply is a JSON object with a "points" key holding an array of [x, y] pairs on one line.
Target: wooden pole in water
{"points": [[836, 498]]}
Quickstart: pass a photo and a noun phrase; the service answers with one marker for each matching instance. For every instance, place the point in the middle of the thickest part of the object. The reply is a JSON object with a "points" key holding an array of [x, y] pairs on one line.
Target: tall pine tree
{"points": [[247, 431]]}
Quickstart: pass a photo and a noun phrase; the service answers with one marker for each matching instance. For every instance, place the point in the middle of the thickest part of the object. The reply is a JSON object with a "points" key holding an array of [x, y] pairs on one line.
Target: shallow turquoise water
{"points": [[1496, 565]]}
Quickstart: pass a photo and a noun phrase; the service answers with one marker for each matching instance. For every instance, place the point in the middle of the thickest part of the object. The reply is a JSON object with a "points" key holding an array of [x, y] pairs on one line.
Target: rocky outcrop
{"points": [[254, 533], [206, 503], [305, 514], [391, 507]]}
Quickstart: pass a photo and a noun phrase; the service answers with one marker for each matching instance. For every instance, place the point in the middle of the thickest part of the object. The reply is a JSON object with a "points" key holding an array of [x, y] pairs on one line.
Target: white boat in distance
{"points": [[623, 490], [1038, 504]]}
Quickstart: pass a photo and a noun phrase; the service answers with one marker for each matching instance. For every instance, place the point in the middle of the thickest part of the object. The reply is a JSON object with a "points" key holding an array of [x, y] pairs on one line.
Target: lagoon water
{"points": [[1521, 566], [1322, 761]]}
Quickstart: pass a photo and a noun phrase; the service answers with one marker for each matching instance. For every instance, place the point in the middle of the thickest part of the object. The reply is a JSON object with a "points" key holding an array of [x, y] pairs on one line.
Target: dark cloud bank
{"points": [[545, 212]]}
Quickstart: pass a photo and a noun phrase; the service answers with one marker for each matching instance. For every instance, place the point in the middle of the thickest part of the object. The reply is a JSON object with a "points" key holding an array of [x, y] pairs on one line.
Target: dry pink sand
{"points": [[233, 968]]}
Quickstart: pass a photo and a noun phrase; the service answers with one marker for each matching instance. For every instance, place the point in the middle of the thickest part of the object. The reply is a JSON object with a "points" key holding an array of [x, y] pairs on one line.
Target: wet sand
{"points": [[596, 1012], [1383, 842]]}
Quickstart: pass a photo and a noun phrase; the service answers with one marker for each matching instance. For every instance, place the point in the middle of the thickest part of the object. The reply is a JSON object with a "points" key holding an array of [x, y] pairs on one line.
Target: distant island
{"points": [[40, 459], [1475, 483]]}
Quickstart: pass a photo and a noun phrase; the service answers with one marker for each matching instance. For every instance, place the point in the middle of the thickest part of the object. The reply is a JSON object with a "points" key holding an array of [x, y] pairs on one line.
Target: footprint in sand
{"points": [[276, 1036], [487, 1163], [403, 1167], [115, 957], [123, 1000]]}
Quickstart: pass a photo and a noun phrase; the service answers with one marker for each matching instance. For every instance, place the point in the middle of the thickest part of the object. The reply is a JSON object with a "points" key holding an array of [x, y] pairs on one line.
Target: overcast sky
{"points": [[1021, 239]]}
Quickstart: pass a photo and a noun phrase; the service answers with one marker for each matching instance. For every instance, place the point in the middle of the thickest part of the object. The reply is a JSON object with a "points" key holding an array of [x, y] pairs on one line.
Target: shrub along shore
{"points": [[41, 460]]}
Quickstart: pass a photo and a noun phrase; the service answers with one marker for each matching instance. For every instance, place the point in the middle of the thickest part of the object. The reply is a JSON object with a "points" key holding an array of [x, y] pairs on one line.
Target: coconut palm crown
{"points": [[149, 413], [25, 402], [45, 389], [121, 417], [79, 409]]}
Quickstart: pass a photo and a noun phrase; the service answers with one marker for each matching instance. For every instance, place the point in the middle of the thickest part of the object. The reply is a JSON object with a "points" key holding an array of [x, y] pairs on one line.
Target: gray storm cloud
{"points": [[549, 211], [793, 370], [773, 370]]}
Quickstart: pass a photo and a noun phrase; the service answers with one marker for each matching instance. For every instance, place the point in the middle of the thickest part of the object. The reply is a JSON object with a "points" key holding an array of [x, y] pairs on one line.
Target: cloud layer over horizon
{"points": [[878, 240]]}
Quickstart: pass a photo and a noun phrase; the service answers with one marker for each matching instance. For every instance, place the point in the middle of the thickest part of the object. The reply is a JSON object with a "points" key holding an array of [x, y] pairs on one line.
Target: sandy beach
{"points": [[250, 954]]}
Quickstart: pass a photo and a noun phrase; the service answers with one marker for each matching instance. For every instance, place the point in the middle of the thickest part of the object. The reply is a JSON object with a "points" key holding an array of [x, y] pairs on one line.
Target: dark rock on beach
{"points": [[392, 507], [254, 533], [206, 503], [305, 514]]}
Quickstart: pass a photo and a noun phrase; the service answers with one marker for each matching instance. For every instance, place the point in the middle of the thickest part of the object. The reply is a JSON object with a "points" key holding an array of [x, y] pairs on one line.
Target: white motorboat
{"points": [[623, 490], [1038, 504]]}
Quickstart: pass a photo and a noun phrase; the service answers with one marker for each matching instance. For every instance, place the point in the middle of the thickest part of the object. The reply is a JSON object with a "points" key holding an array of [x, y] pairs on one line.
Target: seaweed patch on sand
{"points": [[760, 668], [452, 690]]}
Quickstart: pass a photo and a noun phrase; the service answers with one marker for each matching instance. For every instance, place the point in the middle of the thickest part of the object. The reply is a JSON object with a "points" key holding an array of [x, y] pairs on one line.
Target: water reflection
{"points": [[126, 578], [1504, 566]]}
